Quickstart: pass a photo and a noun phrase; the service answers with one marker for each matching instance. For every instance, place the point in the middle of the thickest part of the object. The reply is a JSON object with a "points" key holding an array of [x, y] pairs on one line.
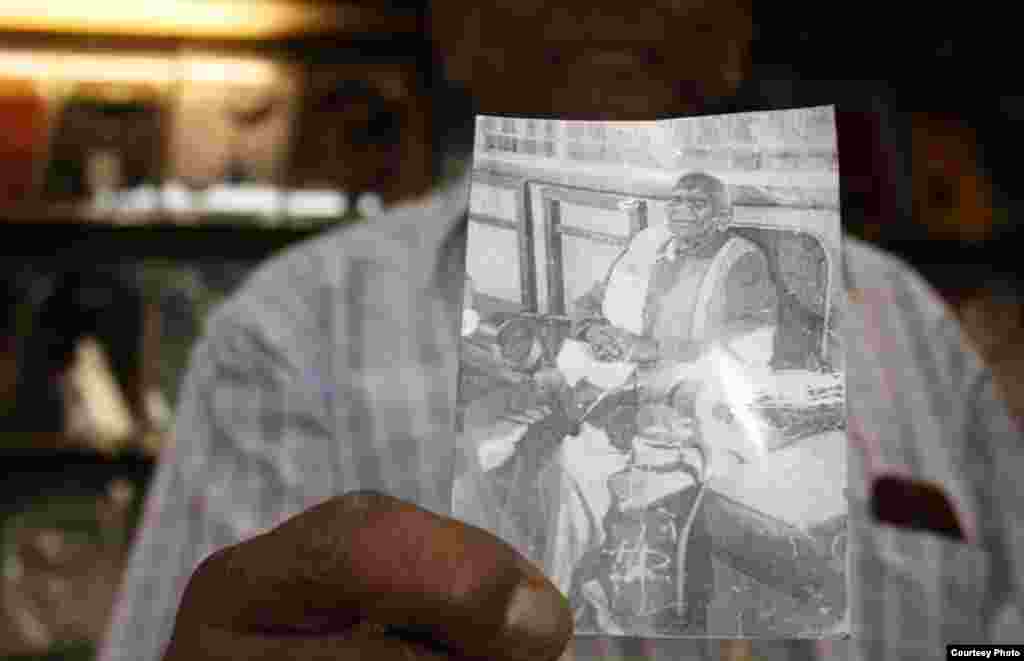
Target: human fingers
{"points": [[614, 345], [369, 558], [550, 380], [601, 333]]}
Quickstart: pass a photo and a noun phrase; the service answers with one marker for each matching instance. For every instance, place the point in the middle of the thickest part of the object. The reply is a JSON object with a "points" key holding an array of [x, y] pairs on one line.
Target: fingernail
{"points": [[538, 620]]}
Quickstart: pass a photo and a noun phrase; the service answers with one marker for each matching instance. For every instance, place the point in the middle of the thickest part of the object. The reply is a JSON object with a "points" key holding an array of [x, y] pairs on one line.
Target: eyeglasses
{"points": [[697, 205]]}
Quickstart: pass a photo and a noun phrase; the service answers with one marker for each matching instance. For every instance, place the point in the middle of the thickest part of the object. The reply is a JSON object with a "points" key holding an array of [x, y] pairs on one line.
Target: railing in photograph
{"points": [[555, 229], [522, 226]]}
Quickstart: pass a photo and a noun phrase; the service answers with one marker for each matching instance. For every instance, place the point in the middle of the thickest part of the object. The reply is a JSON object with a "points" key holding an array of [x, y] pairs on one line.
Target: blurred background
{"points": [[153, 153]]}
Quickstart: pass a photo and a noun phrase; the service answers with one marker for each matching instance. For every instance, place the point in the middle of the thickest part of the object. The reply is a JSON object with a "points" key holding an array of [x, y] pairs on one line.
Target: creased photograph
{"points": [[651, 375]]}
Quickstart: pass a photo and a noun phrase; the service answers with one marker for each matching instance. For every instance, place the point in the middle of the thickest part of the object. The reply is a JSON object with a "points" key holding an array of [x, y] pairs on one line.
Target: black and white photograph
{"points": [[651, 376]]}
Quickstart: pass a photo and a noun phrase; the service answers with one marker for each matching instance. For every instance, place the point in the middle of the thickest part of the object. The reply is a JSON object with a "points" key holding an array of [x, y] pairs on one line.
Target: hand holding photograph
{"points": [[651, 376]]}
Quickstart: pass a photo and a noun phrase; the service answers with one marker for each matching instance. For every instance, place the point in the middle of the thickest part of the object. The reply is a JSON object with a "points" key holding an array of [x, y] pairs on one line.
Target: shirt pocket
{"points": [[912, 591]]}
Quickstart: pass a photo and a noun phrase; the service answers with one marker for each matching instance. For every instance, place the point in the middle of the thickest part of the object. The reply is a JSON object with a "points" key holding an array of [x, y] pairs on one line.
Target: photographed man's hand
{"points": [[683, 350], [612, 344], [367, 576], [607, 342]]}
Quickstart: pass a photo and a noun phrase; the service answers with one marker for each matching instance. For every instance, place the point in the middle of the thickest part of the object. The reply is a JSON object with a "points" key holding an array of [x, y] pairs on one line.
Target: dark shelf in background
{"points": [[29, 460], [77, 241], [356, 48], [30, 473]]}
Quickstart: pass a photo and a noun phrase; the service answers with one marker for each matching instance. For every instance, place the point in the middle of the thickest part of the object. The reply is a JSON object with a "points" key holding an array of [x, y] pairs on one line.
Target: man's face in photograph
{"points": [[691, 213]]}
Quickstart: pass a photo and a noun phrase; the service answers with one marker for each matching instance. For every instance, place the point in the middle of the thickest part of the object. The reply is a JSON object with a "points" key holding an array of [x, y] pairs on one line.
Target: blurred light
{"points": [[50, 66], [740, 396], [313, 203], [146, 199], [470, 322], [369, 205], [229, 70], [211, 19], [245, 199], [152, 69]]}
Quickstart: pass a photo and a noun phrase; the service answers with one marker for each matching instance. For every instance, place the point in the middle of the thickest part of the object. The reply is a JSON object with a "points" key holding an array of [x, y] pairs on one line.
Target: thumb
{"points": [[369, 557]]}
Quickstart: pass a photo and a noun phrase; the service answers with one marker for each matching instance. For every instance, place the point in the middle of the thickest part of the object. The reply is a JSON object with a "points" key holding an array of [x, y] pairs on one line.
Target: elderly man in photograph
{"points": [[647, 306], [674, 290], [647, 311]]}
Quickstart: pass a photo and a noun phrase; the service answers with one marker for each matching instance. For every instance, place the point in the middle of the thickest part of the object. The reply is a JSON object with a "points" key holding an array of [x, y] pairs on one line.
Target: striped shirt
{"points": [[334, 368]]}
